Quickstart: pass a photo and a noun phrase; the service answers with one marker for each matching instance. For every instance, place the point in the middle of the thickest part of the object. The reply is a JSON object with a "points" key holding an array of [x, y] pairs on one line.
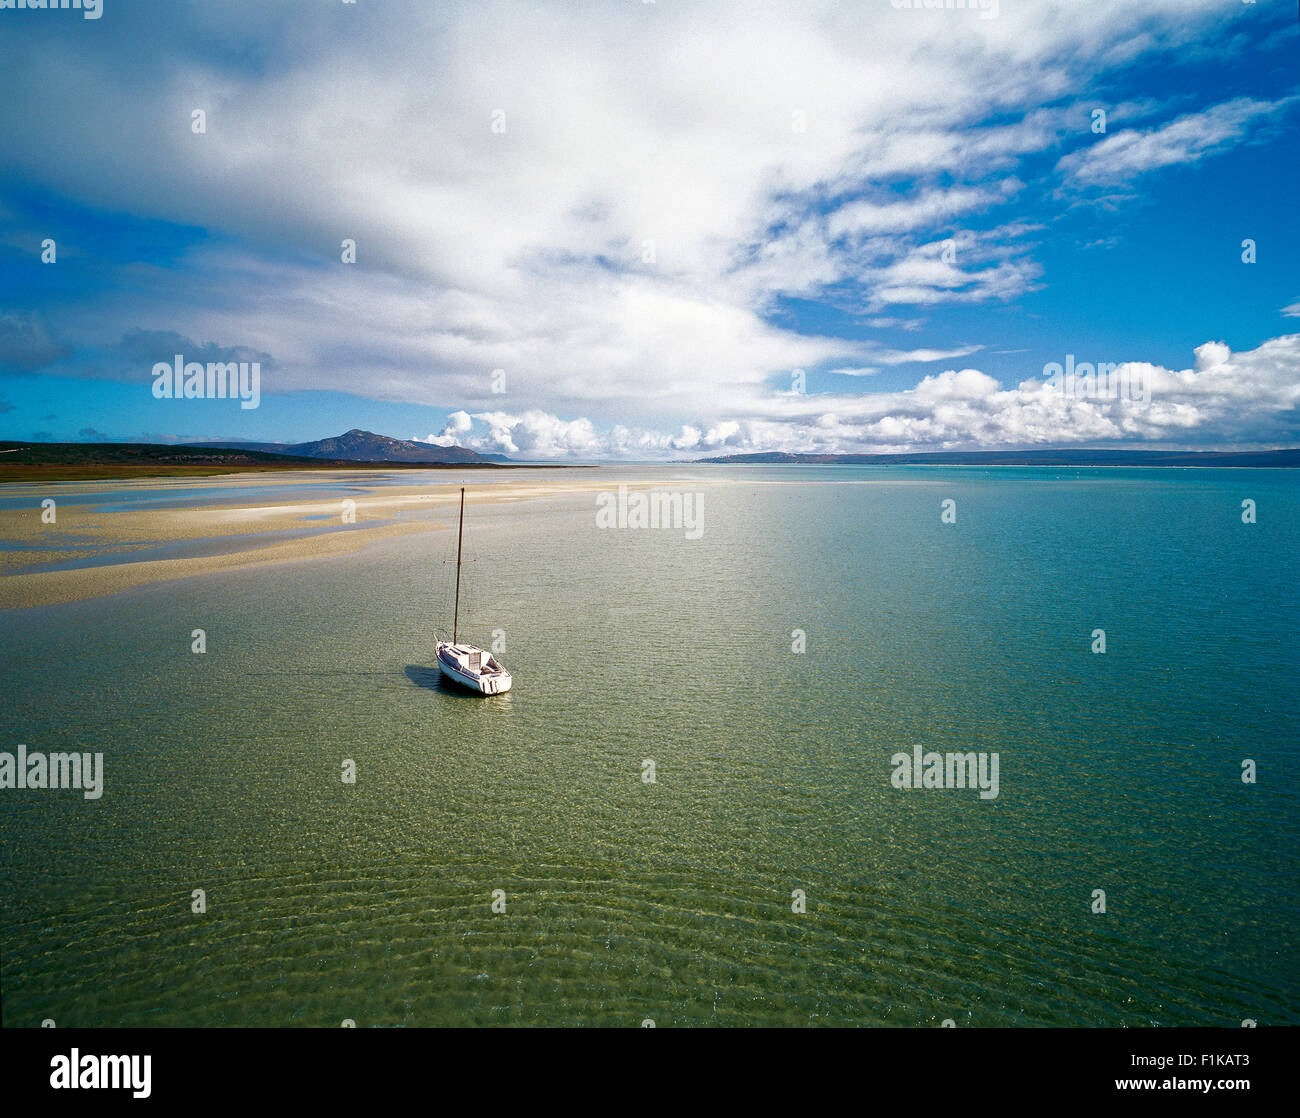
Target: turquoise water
{"points": [[673, 901]]}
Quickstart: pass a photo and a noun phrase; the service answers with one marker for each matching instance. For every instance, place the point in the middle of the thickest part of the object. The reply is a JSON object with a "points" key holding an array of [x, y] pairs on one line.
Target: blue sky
{"points": [[616, 230]]}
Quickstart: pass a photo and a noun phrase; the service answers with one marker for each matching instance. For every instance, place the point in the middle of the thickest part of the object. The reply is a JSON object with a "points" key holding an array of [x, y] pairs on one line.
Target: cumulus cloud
{"points": [[666, 177], [459, 424], [1223, 400], [1211, 355]]}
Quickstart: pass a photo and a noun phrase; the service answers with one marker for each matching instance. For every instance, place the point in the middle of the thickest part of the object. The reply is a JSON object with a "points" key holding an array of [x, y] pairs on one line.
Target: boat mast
{"points": [[460, 535]]}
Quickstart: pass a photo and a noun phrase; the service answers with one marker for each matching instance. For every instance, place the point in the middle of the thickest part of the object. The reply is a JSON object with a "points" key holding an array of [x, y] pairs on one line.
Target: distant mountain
{"points": [[42, 461], [1067, 457], [35, 461], [132, 454], [365, 446]]}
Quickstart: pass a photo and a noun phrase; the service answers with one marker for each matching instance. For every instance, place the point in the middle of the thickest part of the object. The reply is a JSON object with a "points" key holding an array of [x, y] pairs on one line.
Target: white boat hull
{"points": [[456, 662]]}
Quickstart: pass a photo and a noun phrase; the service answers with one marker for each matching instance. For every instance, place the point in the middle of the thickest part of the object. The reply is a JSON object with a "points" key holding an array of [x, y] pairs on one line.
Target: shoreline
{"points": [[102, 538], [53, 474], [91, 534]]}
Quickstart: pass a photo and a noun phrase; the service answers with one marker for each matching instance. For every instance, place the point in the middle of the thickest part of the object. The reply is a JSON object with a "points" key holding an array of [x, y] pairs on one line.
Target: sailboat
{"points": [[466, 664]]}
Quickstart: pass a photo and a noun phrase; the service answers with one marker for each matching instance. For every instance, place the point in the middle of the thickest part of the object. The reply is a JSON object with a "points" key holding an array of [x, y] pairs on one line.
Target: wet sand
{"points": [[81, 533]]}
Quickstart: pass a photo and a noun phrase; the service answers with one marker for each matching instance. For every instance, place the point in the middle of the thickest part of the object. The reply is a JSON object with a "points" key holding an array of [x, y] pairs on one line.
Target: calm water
{"points": [[672, 900]]}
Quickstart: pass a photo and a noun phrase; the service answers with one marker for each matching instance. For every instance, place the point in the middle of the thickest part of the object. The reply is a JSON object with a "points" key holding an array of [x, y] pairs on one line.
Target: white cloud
{"points": [[528, 251], [866, 218], [1224, 400], [459, 425], [927, 275], [891, 357], [1211, 355], [1125, 155]]}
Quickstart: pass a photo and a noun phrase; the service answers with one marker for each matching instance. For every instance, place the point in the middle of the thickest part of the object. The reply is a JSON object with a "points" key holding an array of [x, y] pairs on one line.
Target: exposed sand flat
{"points": [[226, 523], [49, 587]]}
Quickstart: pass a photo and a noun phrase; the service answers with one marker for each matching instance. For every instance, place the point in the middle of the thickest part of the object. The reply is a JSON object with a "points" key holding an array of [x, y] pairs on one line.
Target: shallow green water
{"points": [[672, 901]]}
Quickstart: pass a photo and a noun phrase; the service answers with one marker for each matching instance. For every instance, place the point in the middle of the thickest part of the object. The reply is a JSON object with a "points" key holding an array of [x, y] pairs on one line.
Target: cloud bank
{"points": [[610, 209]]}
